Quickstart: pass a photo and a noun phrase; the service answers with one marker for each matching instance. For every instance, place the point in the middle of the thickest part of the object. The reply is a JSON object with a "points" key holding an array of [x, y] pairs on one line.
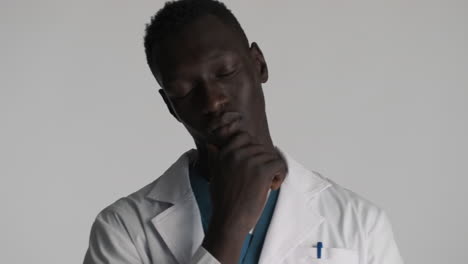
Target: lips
{"points": [[221, 127], [224, 120]]}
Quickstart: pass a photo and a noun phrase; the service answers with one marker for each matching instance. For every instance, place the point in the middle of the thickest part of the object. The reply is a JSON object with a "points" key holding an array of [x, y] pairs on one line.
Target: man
{"points": [[236, 198]]}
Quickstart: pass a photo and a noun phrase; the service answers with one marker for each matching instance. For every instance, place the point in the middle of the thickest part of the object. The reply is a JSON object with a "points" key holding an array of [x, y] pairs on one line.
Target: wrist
{"points": [[224, 242]]}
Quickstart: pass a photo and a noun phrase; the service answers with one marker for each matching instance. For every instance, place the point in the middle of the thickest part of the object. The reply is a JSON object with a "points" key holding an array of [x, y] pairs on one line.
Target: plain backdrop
{"points": [[372, 94]]}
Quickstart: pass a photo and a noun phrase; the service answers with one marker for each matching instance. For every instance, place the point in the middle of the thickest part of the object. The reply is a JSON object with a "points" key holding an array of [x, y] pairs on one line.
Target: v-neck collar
{"points": [[253, 242]]}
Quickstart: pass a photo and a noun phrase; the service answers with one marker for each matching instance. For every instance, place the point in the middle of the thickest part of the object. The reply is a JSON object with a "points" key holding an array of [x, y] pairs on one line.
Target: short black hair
{"points": [[175, 15]]}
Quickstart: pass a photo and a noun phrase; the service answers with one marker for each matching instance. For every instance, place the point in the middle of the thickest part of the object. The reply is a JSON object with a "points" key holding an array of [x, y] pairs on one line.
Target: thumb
{"points": [[212, 152], [212, 156]]}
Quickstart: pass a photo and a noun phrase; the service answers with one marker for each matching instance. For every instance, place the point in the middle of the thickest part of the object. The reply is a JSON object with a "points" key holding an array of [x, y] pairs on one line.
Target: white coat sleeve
{"points": [[382, 248], [109, 242]]}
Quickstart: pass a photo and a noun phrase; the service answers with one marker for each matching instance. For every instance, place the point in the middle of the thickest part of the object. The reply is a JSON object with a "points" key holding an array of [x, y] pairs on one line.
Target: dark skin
{"points": [[211, 77]]}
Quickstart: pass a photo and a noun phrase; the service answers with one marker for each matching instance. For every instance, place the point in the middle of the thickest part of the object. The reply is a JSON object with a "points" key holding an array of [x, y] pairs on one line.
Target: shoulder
{"points": [[118, 231], [151, 199], [129, 211], [342, 203]]}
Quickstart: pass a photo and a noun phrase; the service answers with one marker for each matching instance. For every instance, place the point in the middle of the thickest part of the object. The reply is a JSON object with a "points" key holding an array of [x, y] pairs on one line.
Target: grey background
{"points": [[372, 94]]}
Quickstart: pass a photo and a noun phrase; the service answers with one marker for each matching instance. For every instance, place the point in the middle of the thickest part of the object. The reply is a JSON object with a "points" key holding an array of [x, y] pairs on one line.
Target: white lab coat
{"points": [[161, 224]]}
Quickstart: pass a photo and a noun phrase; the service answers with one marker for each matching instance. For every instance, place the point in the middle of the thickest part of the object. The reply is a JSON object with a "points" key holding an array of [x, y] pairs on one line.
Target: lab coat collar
{"points": [[295, 216], [174, 184], [293, 219]]}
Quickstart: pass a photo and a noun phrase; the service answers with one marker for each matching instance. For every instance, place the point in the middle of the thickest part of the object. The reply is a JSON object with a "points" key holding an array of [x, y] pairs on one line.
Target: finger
{"points": [[277, 182], [212, 158], [246, 152], [212, 151], [277, 170], [236, 141]]}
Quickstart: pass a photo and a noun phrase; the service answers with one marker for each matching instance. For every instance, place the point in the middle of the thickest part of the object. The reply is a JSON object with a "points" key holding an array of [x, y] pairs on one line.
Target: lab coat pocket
{"points": [[303, 255]]}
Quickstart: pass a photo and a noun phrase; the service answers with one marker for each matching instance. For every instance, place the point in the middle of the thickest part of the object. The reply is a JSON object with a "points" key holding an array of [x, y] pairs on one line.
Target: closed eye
{"points": [[226, 74], [180, 94], [181, 97]]}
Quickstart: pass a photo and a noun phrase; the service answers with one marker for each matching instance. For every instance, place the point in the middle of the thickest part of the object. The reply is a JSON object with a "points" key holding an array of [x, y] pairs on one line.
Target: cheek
{"points": [[249, 101], [245, 91], [195, 129], [186, 115]]}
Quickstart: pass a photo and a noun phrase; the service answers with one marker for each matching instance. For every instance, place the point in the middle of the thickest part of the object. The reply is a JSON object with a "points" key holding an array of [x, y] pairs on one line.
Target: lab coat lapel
{"points": [[294, 217], [179, 225], [293, 220]]}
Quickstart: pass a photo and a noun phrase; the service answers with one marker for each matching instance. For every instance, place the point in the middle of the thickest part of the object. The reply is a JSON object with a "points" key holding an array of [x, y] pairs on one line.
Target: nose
{"points": [[214, 98]]}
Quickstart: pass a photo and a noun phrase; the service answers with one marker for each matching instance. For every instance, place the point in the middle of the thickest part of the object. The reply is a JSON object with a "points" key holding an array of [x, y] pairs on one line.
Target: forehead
{"points": [[204, 40]]}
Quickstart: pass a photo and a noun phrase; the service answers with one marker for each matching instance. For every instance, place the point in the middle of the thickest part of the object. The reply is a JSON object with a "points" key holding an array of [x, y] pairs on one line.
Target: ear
{"points": [[260, 64], [168, 104]]}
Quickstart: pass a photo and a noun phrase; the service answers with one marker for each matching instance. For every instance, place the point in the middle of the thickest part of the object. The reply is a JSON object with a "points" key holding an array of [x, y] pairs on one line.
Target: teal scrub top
{"points": [[253, 243]]}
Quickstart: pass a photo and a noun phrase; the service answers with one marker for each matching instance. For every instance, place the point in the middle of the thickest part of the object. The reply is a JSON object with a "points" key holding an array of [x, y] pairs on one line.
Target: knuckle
{"points": [[257, 170], [244, 136]]}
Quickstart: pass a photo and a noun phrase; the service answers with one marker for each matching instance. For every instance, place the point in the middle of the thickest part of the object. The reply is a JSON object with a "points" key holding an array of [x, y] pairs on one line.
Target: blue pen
{"points": [[319, 249]]}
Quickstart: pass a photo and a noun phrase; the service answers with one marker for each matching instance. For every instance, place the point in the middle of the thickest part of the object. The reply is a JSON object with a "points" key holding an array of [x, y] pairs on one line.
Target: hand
{"points": [[242, 171]]}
